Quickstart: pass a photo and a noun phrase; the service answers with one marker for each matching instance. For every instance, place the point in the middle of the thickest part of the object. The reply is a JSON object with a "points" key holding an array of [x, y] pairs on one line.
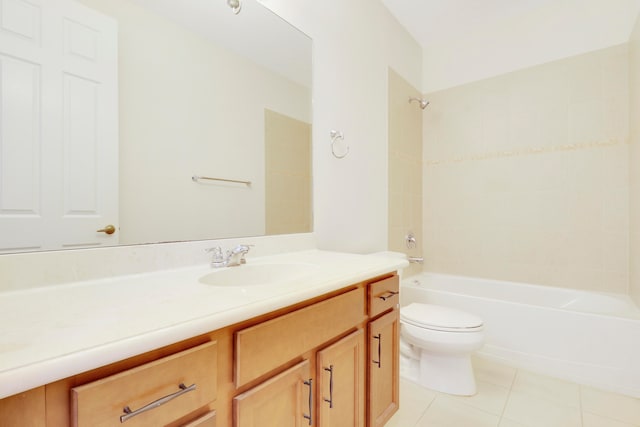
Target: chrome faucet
{"points": [[234, 257]]}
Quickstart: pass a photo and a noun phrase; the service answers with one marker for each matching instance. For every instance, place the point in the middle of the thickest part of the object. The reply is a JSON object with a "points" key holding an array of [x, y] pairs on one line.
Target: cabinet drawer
{"points": [[207, 420], [264, 347], [155, 394], [383, 295]]}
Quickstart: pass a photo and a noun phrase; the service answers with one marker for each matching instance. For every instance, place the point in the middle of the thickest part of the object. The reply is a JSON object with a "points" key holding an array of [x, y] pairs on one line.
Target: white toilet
{"points": [[436, 343]]}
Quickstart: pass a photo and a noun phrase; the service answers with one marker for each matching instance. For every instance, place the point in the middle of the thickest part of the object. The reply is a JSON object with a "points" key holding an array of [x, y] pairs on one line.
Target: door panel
{"points": [[58, 125], [341, 382], [384, 368], [282, 401]]}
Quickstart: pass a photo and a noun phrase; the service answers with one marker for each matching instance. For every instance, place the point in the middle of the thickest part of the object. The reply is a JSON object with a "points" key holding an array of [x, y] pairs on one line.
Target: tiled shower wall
{"points": [[526, 175], [405, 169]]}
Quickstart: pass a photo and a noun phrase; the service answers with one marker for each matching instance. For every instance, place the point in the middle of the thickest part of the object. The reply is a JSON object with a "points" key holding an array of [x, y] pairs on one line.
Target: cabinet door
{"points": [[384, 368], [341, 382], [284, 400]]}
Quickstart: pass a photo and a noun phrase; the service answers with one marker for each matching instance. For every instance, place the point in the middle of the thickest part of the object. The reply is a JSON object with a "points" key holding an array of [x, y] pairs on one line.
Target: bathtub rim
{"points": [[634, 316]]}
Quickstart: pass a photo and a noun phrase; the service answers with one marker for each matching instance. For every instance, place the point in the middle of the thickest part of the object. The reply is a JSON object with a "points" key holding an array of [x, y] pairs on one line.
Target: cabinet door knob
{"points": [[109, 229]]}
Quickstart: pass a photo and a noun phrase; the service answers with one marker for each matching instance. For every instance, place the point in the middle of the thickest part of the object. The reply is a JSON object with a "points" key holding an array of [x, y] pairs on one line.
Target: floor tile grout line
{"points": [[517, 375], [426, 409], [504, 408], [424, 412]]}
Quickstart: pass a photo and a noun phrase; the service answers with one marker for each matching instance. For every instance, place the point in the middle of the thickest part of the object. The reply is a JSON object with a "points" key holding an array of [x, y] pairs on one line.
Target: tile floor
{"points": [[509, 397]]}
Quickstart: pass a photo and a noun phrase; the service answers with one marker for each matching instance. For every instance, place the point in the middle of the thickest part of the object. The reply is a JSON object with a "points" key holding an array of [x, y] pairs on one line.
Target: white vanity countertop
{"points": [[55, 332]]}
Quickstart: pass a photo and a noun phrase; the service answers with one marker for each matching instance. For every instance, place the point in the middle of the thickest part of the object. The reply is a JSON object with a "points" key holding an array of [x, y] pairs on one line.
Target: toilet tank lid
{"points": [[438, 316]]}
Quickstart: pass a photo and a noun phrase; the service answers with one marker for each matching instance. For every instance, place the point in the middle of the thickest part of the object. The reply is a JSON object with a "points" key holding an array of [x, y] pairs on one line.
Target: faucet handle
{"points": [[410, 240], [217, 258]]}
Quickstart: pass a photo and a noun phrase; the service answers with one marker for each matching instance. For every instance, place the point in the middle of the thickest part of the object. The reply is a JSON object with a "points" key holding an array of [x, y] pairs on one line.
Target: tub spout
{"points": [[416, 259]]}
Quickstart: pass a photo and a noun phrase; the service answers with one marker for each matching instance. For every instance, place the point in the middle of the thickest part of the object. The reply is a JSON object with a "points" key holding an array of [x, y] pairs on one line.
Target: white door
{"points": [[58, 125]]}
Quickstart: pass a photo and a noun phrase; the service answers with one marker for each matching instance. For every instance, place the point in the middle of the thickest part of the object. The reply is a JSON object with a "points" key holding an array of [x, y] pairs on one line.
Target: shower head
{"points": [[423, 102]]}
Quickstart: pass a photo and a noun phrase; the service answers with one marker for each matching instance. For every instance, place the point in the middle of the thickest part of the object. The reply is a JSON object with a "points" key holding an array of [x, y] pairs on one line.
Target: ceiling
{"points": [[469, 40], [435, 21]]}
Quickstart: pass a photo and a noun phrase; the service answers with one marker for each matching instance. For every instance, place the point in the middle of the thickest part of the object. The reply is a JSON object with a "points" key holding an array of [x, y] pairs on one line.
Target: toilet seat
{"points": [[440, 318]]}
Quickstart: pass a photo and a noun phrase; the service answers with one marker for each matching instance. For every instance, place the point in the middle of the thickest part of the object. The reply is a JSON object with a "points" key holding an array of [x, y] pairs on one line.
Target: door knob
{"points": [[109, 229]]}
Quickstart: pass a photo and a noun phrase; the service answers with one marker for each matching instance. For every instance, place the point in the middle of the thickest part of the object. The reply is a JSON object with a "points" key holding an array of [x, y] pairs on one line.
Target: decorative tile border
{"points": [[527, 152]]}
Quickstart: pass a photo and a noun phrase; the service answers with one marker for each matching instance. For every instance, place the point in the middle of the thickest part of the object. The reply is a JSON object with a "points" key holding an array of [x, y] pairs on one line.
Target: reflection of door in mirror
{"points": [[58, 94]]}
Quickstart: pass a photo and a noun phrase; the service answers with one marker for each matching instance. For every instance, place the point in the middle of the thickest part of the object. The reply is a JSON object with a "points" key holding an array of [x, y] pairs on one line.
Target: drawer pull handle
{"points": [[310, 384], [388, 295], [128, 413], [330, 399], [379, 361]]}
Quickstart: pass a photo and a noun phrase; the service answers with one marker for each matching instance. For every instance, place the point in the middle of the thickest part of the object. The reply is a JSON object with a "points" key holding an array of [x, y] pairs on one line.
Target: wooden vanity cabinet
{"points": [[157, 393], [333, 359], [24, 409], [384, 351], [331, 395], [207, 420], [348, 370], [326, 387], [341, 382], [268, 345], [283, 400], [384, 368]]}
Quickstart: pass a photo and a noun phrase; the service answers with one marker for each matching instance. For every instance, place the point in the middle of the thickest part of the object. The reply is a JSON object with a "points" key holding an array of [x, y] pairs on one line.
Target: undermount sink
{"points": [[257, 274]]}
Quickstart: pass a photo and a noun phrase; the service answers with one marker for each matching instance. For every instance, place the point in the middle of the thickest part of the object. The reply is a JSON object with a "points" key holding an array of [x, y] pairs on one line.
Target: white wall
{"points": [[558, 29], [354, 43], [634, 163]]}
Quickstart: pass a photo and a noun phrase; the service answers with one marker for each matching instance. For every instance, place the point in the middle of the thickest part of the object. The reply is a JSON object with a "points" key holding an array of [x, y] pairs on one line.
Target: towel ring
{"points": [[335, 136]]}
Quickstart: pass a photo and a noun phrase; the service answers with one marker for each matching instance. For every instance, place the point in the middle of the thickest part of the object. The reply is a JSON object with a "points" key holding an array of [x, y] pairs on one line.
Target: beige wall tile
{"points": [[526, 175], [405, 169]]}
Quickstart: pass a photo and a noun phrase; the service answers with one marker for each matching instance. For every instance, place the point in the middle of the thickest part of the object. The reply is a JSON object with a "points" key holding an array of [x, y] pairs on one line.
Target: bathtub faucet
{"points": [[416, 259]]}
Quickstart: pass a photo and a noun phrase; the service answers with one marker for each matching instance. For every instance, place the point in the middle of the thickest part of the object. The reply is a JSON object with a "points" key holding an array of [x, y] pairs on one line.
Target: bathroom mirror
{"points": [[142, 104]]}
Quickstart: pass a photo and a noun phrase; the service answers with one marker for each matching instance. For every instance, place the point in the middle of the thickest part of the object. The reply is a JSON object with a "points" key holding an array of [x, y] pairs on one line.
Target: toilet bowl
{"points": [[436, 345]]}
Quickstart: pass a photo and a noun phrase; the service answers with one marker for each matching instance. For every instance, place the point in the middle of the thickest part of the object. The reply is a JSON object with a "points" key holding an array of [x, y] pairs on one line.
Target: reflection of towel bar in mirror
{"points": [[197, 178]]}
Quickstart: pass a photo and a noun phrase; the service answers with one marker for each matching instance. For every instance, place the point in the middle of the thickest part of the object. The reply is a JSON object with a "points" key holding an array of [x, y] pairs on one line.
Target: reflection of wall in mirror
{"points": [[190, 107], [288, 174]]}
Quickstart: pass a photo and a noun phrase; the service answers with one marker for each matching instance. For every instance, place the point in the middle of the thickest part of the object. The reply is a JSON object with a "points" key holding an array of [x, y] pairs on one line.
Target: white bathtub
{"points": [[586, 337]]}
